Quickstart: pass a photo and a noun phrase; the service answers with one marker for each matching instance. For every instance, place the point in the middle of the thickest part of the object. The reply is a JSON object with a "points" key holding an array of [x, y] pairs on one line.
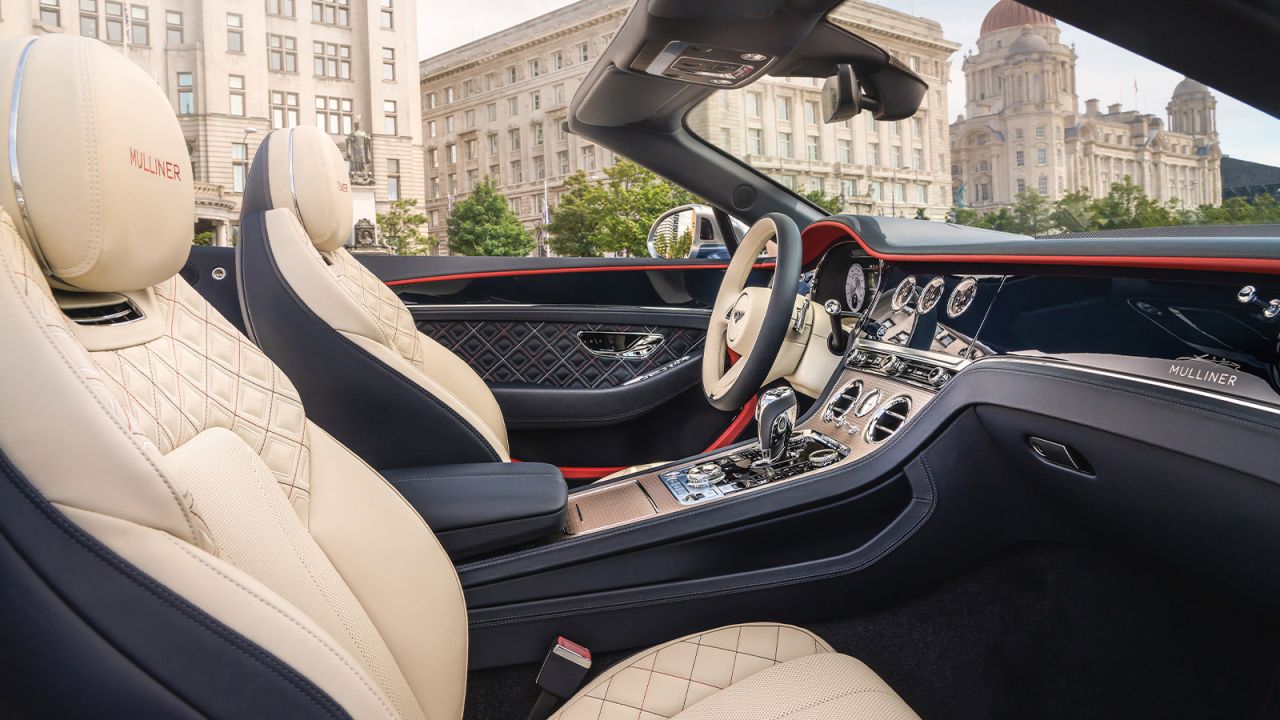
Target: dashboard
{"points": [[1209, 331]]}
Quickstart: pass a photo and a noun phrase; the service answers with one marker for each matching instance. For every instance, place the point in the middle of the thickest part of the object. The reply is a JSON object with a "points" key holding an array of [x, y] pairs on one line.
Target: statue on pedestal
{"points": [[360, 156]]}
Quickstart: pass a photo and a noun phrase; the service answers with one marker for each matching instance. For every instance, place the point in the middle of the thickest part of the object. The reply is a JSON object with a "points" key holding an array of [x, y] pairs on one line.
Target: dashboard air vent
{"points": [[844, 401], [114, 314], [888, 419]]}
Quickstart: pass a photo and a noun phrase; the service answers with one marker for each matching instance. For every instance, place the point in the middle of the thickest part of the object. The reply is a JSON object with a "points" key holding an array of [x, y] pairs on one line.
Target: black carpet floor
{"points": [[1041, 632]]}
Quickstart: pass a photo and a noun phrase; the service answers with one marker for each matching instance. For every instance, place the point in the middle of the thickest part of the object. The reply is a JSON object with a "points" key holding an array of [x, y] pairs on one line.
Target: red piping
{"points": [[726, 438], [563, 270], [1262, 265]]}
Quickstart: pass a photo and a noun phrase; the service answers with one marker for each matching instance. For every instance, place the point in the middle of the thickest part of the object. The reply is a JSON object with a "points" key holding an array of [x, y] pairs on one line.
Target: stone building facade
{"points": [[234, 71], [496, 108], [1022, 128]]}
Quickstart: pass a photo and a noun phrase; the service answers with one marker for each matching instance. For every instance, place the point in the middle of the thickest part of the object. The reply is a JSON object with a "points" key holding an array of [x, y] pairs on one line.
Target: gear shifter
{"points": [[775, 419]]}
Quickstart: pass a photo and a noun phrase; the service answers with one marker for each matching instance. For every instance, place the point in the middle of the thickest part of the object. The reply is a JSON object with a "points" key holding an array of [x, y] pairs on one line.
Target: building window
{"points": [[513, 75], [562, 162], [89, 18], [473, 149], [280, 8], [811, 112], [1022, 185], [539, 168], [333, 115], [1020, 158], [388, 63], [431, 101], [140, 25], [559, 94], [1017, 134], [330, 60], [873, 154], [513, 107], [535, 67], [783, 108], [390, 117], [435, 188], [788, 182], [917, 159], [784, 144], [393, 179], [1042, 156], [50, 13], [433, 158], [815, 184], [848, 188], [754, 103], [589, 158], [562, 131], [239, 166], [235, 33], [755, 141], [535, 100], [387, 16], [282, 53], [235, 101], [844, 151], [813, 149], [517, 173], [115, 21], [331, 12], [557, 60], [473, 176], [584, 52], [1040, 132], [877, 191], [917, 128], [895, 156], [451, 157], [1044, 185], [492, 110], [186, 94], [513, 136], [493, 143], [536, 129], [173, 32], [284, 109]]}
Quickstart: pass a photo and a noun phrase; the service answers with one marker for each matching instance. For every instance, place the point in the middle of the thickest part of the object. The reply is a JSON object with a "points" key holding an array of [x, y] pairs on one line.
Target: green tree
{"points": [[203, 238], [921, 214], [1031, 213], [613, 215], [1127, 206], [965, 216], [401, 228], [1074, 212], [483, 224], [830, 203]]}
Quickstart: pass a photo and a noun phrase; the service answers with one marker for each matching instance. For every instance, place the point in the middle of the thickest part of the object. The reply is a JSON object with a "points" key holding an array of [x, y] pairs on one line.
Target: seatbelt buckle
{"points": [[564, 668]]}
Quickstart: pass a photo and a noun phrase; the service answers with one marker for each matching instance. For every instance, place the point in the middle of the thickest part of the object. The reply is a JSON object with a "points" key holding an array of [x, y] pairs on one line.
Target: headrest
{"points": [[100, 184], [307, 174]]}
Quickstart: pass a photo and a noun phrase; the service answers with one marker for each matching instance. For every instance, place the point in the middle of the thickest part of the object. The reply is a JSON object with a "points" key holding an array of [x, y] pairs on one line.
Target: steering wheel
{"points": [[751, 321]]}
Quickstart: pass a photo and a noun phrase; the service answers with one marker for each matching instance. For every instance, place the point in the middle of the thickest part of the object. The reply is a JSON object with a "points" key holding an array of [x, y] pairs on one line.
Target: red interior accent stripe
{"points": [[564, 270], [725, 439], [1224, 264]]}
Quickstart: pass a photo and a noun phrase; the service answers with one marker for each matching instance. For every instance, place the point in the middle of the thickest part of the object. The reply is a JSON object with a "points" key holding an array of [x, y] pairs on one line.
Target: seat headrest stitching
{"points": [[293, 186], [14, 174]]}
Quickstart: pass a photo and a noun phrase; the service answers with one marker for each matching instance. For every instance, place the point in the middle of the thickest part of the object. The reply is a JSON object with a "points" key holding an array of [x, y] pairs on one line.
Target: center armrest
{"points": [[476, 508]]}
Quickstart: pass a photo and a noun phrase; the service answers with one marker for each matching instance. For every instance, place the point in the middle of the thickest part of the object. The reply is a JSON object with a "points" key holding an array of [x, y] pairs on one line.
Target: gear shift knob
{"points": [[775, 419]]}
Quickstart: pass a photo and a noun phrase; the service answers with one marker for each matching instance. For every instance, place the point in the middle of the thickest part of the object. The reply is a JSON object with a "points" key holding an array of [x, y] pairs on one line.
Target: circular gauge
{"points": [[904, 294], [855, 288], [931, 294], [962, 297]]}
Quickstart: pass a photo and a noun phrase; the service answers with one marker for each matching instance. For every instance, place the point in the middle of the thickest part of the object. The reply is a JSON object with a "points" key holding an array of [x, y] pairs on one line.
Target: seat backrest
{"points": [[177, 538], [393, 395]]}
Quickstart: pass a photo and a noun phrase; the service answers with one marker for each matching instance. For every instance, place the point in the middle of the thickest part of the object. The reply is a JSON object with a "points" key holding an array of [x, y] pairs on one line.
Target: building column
{"points": [[221, 234]]}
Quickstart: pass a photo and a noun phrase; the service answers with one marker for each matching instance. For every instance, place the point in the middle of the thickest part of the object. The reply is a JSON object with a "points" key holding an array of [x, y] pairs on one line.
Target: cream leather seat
{"points": [[395, 396], [177, 538]]}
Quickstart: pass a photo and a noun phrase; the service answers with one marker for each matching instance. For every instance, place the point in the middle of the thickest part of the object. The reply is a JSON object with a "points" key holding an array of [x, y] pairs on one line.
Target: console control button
{"points": [[703, 476]]}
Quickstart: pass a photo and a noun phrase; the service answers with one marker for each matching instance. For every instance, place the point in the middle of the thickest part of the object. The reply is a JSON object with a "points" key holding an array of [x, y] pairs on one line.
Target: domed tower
{"points": [[1019, 60], [1193, 110]]}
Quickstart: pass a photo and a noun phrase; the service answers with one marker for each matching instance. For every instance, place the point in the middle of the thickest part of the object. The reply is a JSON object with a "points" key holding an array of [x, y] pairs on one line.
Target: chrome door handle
{"points": [[620, 345]]}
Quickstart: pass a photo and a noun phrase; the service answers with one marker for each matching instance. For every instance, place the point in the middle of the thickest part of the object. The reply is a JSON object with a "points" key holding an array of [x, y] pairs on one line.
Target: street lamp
{"points": [[894, 204]]}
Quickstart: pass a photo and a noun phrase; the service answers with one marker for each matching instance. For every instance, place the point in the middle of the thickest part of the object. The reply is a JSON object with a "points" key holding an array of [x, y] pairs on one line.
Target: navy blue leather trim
{"points": [[87, 633]]}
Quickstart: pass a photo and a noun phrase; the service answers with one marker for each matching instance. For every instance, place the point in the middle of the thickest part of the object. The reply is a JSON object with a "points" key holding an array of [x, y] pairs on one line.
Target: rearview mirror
{"points": [[841, 95]]}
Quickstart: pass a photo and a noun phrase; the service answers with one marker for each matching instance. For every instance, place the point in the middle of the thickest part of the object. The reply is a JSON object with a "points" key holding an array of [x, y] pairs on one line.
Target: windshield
{"points": [[1029, 126]]}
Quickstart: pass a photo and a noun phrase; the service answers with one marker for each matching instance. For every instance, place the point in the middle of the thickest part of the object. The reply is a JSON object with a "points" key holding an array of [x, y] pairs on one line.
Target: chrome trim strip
{"points": [[13, 159], [293, 187], [943, 359], [1087, 369]]}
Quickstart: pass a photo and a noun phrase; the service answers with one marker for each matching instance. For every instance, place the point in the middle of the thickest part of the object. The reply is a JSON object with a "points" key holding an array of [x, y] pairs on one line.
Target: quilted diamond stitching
{"points": [[549, 353], [382, 305], [662, 682]]}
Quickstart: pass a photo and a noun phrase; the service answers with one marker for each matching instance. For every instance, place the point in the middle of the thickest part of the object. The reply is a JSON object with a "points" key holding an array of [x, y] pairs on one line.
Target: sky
{"points": [[1103, 70]]}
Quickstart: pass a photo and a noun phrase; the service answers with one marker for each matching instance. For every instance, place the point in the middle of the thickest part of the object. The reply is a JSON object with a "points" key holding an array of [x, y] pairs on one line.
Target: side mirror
{"points": [[687, 231], [842, 96]]}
